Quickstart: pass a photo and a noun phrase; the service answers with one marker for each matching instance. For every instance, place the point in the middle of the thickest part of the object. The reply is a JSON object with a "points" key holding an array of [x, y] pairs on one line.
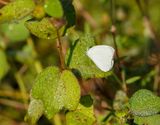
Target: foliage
{"points": [[47, 78]]}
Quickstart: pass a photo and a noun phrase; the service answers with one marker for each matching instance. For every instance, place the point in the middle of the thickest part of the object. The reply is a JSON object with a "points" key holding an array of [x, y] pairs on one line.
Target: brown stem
{"points": [[156, 79], [13, 104], [85, 14], [113, 31], [3, 2], [148, 23], [60, 50]]}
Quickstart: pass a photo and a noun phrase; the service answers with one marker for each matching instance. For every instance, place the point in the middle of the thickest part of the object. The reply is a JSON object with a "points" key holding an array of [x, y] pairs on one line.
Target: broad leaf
{"points": [[16, 10], [35, 111], [149, 120], [144, 103], [4, 66], [43, 29], [78, 60], [56, 90], [15, 32], [54, 8], [83, 115]]}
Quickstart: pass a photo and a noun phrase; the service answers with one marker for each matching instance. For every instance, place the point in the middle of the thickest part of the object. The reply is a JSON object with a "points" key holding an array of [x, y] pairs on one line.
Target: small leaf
{"points": [[16, 10], [78, 60], [69, 12], [38, 12], [43, 29], [120, 100], [83, 115], [54, 8], [133, 79], [144, 103], [4, 66], [15, 32], [35, 111], [56, 90], [149, 120], [27, 55]]}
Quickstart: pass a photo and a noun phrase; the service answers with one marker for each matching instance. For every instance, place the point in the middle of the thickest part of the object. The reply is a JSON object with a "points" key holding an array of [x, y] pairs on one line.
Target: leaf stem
{"points": [[3, 2], [60, 50], [22, 87], [113, 31], [13, 104], [148, 23]]}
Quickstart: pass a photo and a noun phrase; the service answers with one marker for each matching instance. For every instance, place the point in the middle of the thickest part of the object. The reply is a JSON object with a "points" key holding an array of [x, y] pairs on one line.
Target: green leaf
{"points": [[149, 120], [35, 111], [133, 79], [144, 103], [69, 12], [120, 100], [53, 8], [27, 55], [4, 66], [56, 90], [15, 32], [83, 115], [78, 60], [43, 29], [16, 10]]}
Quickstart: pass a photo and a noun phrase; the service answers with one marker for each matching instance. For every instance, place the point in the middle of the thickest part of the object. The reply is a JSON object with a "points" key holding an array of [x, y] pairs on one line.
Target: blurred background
{"points": [[23, 56]]}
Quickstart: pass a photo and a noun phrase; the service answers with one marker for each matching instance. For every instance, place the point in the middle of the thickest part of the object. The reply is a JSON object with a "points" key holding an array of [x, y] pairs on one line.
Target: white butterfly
{"points": [[102, 56]]}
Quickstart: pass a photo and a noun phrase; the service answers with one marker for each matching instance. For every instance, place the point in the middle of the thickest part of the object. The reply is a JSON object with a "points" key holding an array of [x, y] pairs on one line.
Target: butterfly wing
{"points": [[102, 56]]}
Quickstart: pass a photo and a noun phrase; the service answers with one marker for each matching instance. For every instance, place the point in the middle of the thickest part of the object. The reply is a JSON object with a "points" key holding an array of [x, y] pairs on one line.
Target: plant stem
{"points": [[156, 79], [22, 87], [113, 30], [60, 50], [3, 2], [13, 104], [13, 94], [85, 14], [123, 76], [148, 23]]}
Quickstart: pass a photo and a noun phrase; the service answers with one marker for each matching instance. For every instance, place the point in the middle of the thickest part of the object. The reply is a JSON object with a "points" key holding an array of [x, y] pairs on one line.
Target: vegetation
{"points": [[46, 77]]}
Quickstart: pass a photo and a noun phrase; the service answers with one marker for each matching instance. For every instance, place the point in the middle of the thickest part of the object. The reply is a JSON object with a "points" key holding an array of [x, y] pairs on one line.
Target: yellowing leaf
{"points": [[83, 115], [16, 10], [4, 66], [56, 90], [43, 29]]}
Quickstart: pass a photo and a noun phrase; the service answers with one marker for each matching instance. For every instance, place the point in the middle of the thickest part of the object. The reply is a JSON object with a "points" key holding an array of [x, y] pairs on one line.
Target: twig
{"points": [[13, 94], [123, 76], [58, 23], [13, 104], [37, 63], [156, 79], [113, 31], [85, 14], [3, 2], [148, 23], [22, 87], [60, 49]]}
